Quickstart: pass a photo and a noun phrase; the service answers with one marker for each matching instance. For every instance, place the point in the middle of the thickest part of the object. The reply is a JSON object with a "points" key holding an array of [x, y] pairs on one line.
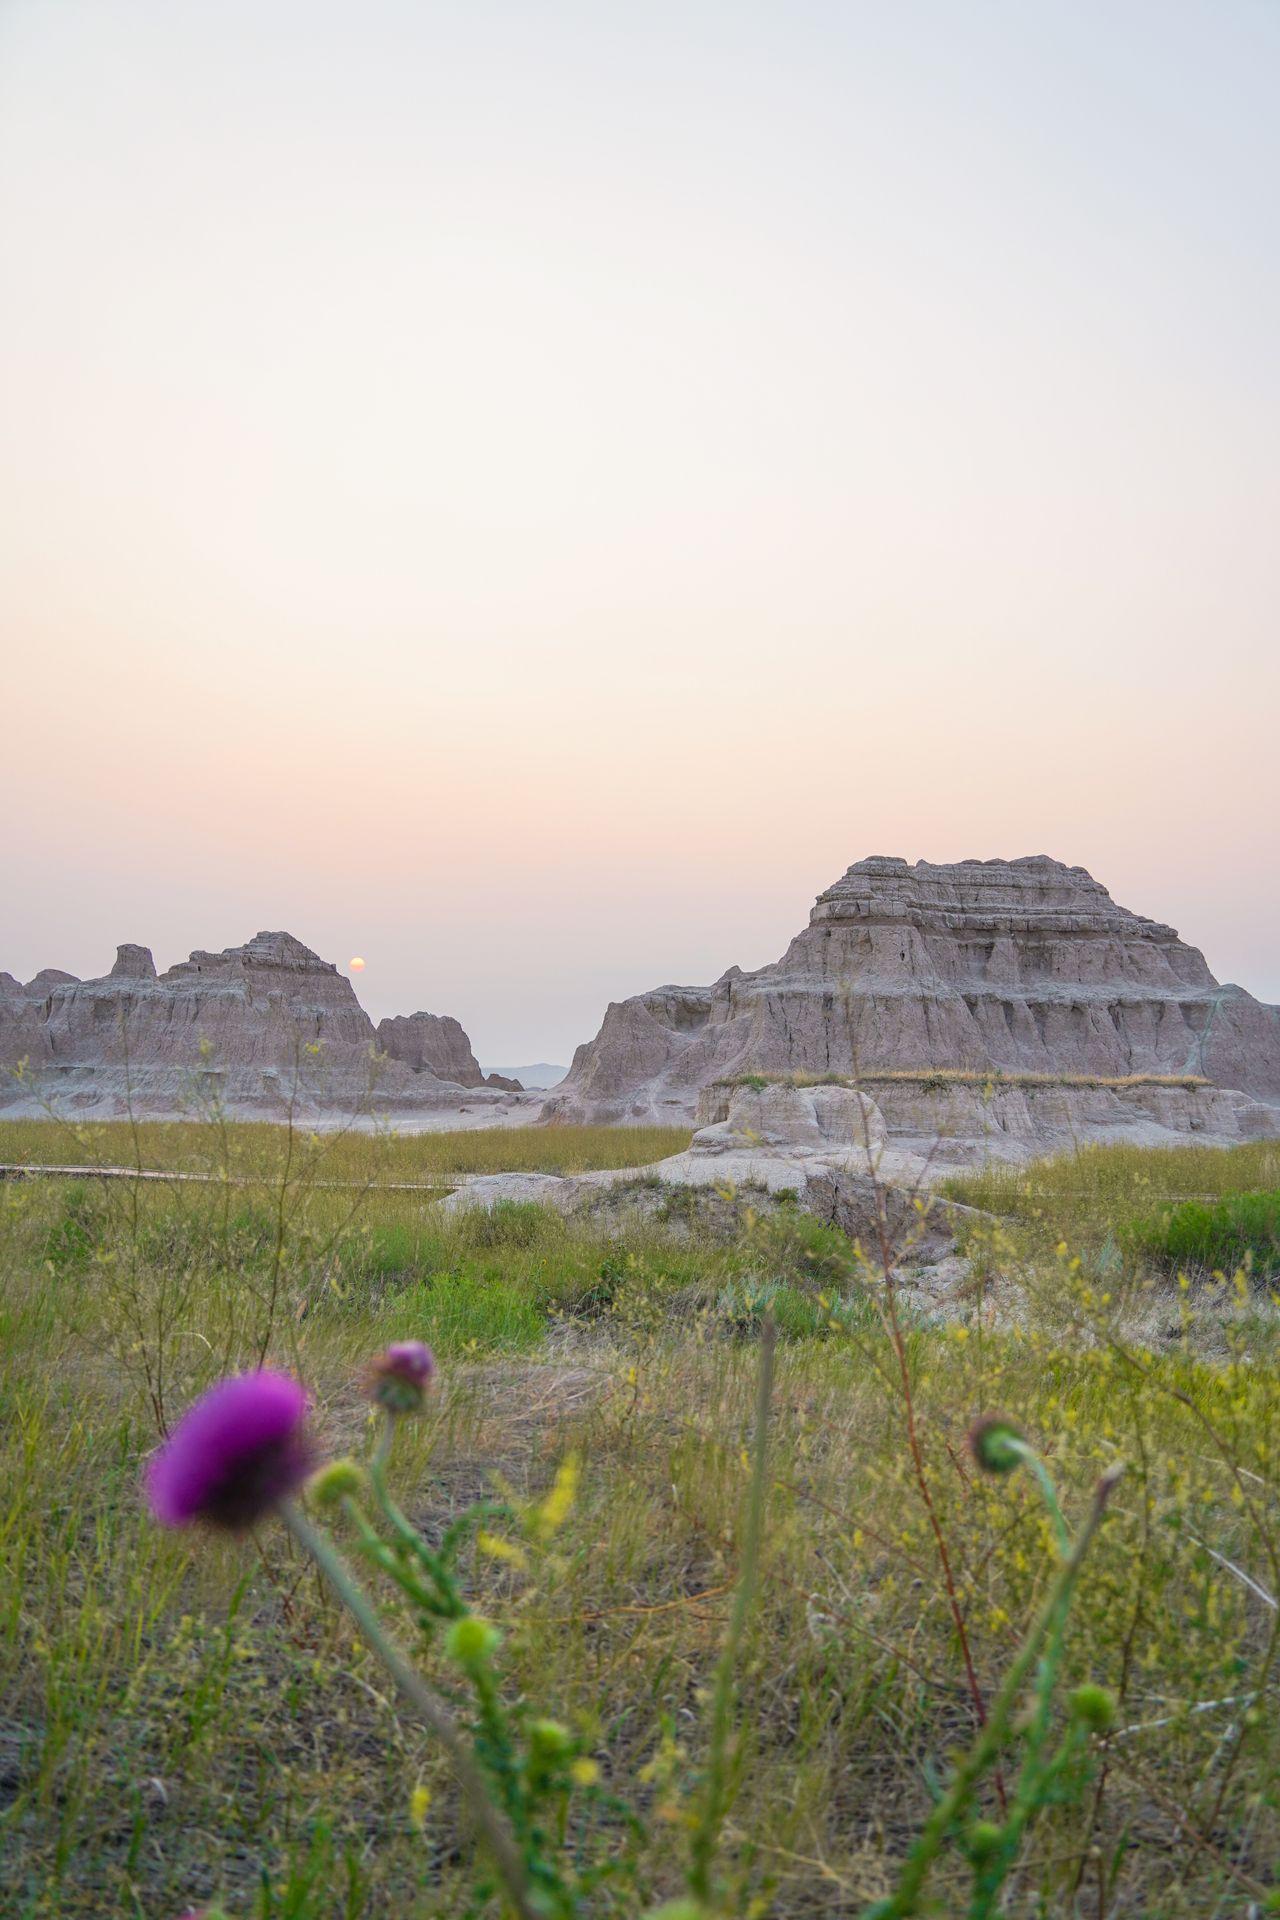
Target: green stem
{"points": [[502, 1764], [1034, 1783], [1044, 1481], [451, 1603], [1051, 1657], [904, 1900], [432, 1710], [707, 1833], [379, 1554]]}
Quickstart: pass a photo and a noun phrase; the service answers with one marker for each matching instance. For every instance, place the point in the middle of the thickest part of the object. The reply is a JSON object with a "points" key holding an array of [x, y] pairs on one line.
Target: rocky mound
{"points": [[987, 967], [259, 1028], [824, 1149]]}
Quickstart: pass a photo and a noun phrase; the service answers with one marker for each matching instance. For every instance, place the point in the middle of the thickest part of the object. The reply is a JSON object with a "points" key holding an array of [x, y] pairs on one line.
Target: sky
{"points": [[528, 492]]}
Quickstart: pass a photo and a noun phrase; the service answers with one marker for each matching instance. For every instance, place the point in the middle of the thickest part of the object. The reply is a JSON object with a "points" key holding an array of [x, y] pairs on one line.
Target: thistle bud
{"points": [[334, 1482], [1094, 1706], [549, 1740], [982, 1840], [471, 1641], [996, 1444], [398, 1379]]}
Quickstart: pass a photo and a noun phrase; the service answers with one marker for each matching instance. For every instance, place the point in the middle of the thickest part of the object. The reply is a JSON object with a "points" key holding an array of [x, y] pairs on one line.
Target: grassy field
{"points": [[185, 1718], [1101, 1191], [257, 1151]]}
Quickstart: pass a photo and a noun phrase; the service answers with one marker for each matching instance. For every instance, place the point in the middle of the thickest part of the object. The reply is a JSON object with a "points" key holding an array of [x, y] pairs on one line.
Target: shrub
{"points": [[589, 1292], [798, 1315], [510, 1223], [1241, 1231], [72, 1238]]}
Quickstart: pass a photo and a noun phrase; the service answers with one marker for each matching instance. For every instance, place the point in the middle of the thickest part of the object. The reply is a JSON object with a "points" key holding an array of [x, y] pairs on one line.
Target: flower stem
{"points": [[451, 1603], [424, 1701], [905, 1898], [707, 1833], [1049, 1493]]}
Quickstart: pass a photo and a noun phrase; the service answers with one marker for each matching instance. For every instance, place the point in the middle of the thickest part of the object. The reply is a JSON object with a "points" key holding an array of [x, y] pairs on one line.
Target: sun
{"points": [[356, 964]]}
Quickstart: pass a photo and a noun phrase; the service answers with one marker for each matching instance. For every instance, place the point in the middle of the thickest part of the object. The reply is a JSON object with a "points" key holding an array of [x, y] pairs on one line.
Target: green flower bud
{"points": [[1095, 1706], [334, 1482], [996, 1444], [983, 1839], [549, 1740], [471, 1641]]}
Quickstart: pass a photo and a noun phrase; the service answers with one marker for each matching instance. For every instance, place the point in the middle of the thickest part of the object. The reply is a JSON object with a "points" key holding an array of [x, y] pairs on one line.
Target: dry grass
{"points": [[256, 1151], [992, 1078], [1085, 1192]]}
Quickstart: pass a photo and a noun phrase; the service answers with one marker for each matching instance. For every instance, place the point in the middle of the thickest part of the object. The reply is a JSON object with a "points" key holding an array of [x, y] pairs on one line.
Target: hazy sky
{"points": [[527, 493]]}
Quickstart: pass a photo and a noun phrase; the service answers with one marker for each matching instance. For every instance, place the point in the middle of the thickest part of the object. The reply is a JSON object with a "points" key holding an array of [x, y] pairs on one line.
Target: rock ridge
{"points": [[262, 1029]]}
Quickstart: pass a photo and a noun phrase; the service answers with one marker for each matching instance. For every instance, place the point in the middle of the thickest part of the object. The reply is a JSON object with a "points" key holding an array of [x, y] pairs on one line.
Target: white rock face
{"points": [[1014, 966], [260, 1028], [798, 1119], [778, 1137]]}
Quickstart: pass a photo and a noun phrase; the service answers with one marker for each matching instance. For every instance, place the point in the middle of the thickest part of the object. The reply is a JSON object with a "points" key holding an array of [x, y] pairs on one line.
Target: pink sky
{"points": [[529, 503]]}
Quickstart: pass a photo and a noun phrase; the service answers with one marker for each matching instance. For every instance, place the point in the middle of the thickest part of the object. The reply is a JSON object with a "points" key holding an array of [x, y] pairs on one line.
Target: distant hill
{"points": [[541, 1074]]}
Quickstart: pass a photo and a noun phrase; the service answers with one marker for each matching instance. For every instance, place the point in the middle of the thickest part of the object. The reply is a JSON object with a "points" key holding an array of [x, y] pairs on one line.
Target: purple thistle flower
{"points": [[398, 1379], [233, 1455]]}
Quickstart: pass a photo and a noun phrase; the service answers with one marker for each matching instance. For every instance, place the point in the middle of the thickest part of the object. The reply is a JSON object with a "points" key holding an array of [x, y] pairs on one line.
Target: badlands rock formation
{"points": [[1003, 968], [437, 1043], [260, 1028]]}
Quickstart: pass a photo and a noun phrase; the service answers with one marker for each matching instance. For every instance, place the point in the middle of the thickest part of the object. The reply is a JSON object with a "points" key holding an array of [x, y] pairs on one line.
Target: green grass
{"points": [[186, 1719], [1213, 1237], [461, 1312]]}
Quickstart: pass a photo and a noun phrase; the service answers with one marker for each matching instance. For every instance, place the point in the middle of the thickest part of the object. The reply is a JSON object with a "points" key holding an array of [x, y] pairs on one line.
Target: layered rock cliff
{"points": [[987, 966], [260, 1028]]}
